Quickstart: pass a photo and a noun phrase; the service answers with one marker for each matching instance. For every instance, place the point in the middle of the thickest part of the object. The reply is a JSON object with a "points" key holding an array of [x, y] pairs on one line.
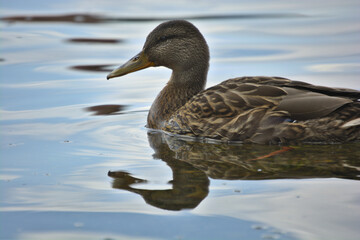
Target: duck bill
{"points": [[140, 61]]}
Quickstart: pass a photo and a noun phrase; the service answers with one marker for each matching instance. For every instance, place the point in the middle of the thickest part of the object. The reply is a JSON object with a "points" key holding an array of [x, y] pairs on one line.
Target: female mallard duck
{"points": [[248, 109]]}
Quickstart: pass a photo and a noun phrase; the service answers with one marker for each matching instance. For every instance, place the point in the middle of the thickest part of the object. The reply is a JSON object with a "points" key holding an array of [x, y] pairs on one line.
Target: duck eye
{"points": [[135, 58], [163, 38]]}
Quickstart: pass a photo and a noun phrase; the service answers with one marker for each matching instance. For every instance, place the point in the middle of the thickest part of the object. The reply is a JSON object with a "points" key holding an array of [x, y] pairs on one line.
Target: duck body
{"points": [[248, 109], [269, 110]]}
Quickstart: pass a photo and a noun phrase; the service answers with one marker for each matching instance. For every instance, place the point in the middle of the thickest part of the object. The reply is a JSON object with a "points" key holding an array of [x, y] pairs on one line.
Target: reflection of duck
{"points": [[235, 162], [250, 109], [189, 185], [193, 162]]}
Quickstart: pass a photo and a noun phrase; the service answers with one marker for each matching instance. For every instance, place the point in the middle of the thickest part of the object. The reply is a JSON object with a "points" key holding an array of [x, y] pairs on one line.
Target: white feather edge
{"points": [[351, 123]]}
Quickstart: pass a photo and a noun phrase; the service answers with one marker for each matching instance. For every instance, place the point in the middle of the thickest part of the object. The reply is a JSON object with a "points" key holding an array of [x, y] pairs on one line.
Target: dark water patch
{"points": [[94, 40], [110, 109], [73, 18], [87, 18], [93, 68]]}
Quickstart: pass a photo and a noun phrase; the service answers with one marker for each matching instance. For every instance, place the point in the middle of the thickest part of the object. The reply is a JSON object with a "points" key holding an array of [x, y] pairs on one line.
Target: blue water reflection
{"points": [[55, 156]]}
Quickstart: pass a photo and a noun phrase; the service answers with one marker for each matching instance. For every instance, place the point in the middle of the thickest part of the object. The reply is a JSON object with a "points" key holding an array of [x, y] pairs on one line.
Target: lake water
{"points": [[70, 172]]}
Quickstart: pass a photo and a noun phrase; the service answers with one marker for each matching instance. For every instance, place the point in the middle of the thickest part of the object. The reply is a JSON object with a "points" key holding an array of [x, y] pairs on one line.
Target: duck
{"points": [[250, 109]]}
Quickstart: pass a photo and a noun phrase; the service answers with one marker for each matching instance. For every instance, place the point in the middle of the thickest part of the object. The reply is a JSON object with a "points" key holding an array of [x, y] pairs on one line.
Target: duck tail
{"points": [[343, 125]]}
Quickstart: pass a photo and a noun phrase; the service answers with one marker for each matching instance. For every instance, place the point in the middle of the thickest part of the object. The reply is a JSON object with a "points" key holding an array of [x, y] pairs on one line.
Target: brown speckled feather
{"points": [[265, 110]]}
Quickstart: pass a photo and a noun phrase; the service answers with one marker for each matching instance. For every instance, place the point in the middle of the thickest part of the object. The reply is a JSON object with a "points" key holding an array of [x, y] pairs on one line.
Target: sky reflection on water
{"points": [[55, 156]]}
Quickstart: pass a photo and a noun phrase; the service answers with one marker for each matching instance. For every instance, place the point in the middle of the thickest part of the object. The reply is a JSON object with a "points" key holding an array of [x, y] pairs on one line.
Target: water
{"points": [[56, 155]]}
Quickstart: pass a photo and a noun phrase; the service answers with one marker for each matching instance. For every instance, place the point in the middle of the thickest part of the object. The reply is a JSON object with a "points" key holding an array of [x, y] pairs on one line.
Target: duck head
{"points": [[176, 44]]}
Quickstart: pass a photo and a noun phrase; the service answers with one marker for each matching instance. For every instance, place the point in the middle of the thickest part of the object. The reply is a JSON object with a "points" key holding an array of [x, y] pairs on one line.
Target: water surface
{"points": [[78, 163]]}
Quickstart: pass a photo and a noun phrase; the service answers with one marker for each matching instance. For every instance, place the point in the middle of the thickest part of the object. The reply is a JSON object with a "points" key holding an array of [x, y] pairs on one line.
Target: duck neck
{"points": [[182, 86]]}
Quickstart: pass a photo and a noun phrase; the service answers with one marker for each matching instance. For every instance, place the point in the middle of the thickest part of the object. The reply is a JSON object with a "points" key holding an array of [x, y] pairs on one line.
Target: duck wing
{"points": [[305, 104], [305, 101], [284, 82]]}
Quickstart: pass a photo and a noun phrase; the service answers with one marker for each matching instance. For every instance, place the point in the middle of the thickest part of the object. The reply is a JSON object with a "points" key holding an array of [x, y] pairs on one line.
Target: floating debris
{"points": [[94, 40], [106, 109], [93, 68]]}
